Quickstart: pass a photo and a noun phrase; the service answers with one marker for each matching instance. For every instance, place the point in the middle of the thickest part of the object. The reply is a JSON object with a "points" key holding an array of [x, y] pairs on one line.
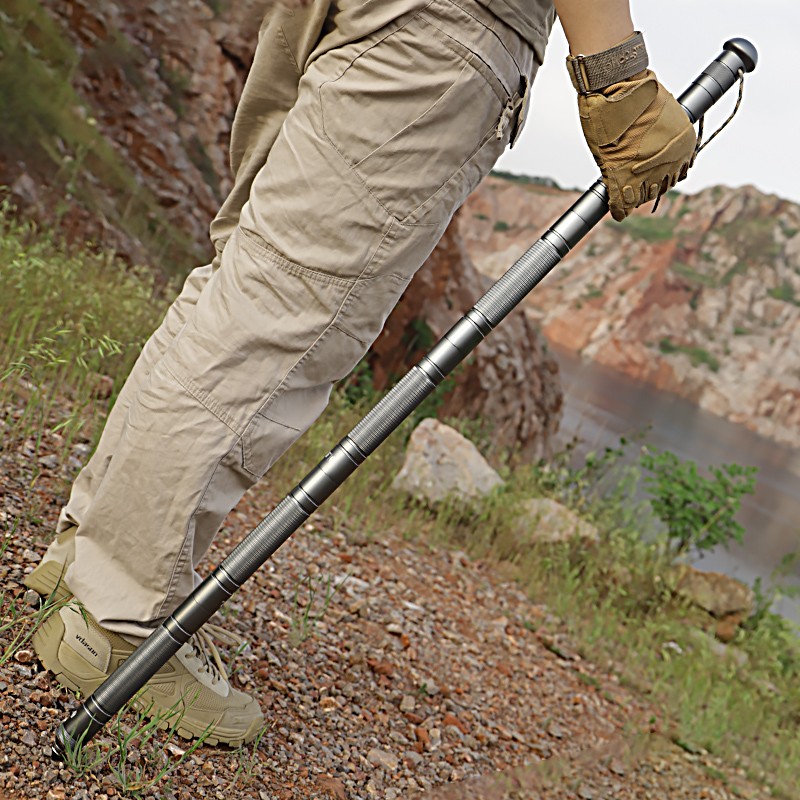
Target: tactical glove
{"points": [[639, 135]]}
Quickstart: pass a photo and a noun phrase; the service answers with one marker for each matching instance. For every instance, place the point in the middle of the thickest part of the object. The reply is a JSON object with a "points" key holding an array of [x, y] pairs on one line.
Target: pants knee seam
{"points": [[205, 399]]}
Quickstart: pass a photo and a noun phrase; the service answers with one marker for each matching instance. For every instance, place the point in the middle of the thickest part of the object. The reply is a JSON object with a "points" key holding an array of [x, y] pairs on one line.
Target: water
{"points": [[601, 405]]}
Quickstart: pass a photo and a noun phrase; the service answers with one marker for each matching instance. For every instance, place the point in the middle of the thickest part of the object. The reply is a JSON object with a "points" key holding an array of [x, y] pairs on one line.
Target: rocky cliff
{"points": [[701, 299], [115, 124], [117, 117]]}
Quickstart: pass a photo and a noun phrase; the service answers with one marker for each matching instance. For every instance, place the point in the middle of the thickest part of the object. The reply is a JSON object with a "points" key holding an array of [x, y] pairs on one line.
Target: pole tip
{"points": [[745, 50], [63, 744]]}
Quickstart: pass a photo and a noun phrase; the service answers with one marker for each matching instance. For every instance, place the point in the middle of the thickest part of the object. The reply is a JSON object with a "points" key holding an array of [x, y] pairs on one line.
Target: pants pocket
{"points": [[408, 114]]}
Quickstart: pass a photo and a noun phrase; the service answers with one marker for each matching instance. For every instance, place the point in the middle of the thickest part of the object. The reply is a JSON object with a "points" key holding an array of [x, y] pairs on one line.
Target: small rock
{"points": [[104, 387], [381, 667], [450, 720], [720, 595], [81, 451], [28, 739], [408, 703], [617, 767], [727, 629], [394, 629], [332, 787], [329, 704], [380, 758], [359, 607], [545, 520], [556, 731], [24, 656]]}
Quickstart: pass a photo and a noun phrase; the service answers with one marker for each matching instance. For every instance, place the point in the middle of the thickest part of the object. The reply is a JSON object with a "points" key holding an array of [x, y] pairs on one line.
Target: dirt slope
{"points": [[427, 675]]}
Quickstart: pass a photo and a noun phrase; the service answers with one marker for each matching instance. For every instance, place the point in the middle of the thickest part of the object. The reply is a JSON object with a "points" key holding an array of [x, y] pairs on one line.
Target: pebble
{"points": [[381, 758], [49, 462], [31, 598], [408, 703], [28, 738]]}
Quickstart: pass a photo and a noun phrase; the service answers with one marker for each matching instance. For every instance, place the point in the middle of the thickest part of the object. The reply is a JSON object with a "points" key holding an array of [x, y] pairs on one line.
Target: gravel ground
{"points": [[424, 674]]}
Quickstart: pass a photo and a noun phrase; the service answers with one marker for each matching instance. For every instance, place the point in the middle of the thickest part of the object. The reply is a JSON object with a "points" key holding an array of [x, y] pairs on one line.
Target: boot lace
{"points": [[204, 649]]}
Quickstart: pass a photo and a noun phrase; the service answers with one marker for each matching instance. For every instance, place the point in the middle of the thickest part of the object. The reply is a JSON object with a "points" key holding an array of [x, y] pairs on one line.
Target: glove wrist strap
{"points": [[599, 70]]}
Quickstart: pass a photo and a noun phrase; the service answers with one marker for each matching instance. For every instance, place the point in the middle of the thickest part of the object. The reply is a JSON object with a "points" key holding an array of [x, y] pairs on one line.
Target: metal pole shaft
{"points": [[262, 542]]}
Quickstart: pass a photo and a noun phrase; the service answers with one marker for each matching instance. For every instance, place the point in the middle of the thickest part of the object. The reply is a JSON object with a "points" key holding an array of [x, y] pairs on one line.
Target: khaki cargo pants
{"points": [[362, 127]]}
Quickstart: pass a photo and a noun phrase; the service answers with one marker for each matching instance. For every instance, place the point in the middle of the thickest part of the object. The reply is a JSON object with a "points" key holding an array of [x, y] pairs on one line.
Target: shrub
{"points": [[698, 511]]}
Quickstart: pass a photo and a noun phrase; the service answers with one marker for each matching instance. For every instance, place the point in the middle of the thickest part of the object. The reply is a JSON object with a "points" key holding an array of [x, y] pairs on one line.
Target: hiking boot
{"points": [[48, 577], [191, 691]]}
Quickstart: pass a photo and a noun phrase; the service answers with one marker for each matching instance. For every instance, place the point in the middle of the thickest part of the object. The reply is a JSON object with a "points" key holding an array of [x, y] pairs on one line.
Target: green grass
{"points": [[753, 240], [646, 228], [784, 292], [692, 275], [613, 596], [66, 318], [592, 292], [47, 125], [739, 268], [525, 180], [697, 355]]}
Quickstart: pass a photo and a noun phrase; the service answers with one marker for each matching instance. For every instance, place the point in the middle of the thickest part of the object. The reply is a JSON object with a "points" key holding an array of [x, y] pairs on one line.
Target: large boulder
{"points": [[718, 594], [440, 464], [546, 520]]}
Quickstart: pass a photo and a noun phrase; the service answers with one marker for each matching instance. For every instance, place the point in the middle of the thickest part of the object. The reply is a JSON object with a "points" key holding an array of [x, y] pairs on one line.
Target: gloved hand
{"points": [[640, 137]]}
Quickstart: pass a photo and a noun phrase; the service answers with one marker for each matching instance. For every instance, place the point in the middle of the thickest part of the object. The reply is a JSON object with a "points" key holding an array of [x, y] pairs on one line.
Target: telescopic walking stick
{"points": [[738, 57]]}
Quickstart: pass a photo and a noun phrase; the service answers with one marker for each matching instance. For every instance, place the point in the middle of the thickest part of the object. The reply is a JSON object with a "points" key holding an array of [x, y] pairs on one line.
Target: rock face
{"points": [[159, 81], [702, 299], [154, 86]]}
